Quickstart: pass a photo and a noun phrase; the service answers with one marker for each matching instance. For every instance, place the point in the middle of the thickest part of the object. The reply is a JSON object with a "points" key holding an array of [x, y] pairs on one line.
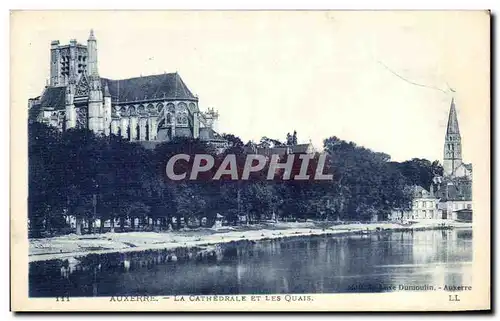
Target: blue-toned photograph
{"points": [[263, 153]]}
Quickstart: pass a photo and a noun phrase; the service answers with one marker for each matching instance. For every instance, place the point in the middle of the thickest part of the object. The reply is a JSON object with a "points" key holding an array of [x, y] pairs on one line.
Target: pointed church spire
{"points": [[91, 36], [106, 90], [452, 127], [92, 55]]}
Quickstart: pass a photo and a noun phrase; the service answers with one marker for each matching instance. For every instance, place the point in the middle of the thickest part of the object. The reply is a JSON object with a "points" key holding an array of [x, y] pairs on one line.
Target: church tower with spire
{"points": [[452, 143], [452, 160]]}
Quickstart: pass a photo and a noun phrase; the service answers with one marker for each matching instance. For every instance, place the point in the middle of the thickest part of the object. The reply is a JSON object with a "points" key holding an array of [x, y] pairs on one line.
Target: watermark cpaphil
{"points": [[250, 167]]}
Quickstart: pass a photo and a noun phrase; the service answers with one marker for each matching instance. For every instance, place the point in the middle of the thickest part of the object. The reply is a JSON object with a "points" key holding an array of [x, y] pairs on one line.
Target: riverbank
{"points": [[72, 245]]}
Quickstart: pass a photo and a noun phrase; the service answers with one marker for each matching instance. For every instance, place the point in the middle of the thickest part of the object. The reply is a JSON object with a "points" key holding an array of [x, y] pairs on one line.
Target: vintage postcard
{"points": [[250, 160]]}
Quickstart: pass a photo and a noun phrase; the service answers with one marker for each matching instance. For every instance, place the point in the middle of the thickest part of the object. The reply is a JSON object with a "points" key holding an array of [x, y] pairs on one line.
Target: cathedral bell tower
{"points": [[452, 143]]}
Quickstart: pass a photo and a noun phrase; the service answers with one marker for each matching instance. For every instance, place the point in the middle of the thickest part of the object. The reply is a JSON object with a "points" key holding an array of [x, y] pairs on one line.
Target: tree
{"points": [[234, 141], [419, 171], [291, 140], [44, 180], [67, 170], [266, 142], [366, 180], [257, 200]]}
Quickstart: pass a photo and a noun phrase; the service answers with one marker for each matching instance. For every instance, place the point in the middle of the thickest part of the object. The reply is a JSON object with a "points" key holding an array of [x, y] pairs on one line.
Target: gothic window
{"points": [[132, 111], [123, 111], [182, 118], [182, 114], [82, 89], [192, 107], [169, 118], [141, 109], [159, 107], [151, 108], [81, 118], [171, 108]]}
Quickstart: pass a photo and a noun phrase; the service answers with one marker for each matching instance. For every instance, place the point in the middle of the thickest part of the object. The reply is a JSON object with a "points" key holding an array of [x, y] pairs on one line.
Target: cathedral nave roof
{"points": [[168, 86]]}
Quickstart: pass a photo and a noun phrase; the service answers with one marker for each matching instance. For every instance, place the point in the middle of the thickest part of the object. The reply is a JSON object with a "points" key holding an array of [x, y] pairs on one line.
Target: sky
{"points": [[361, 76]]}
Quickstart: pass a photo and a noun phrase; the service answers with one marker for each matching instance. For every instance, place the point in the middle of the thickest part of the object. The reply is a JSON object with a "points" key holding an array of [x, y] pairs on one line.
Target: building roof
{"points": [[455, 189], [167, 86], [164, 86], [280, 150], [183, 132], [420, 192], [302, 148], [208, 134], [53, 97], [33, 112], [468, 166]]}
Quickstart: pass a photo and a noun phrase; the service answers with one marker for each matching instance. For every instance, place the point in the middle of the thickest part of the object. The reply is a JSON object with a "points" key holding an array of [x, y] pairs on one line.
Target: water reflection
{"points": [[356, 263]]}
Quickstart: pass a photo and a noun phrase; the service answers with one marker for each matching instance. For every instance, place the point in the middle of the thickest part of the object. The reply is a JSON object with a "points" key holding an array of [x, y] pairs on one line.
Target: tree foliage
{"points": [[71, 172]]}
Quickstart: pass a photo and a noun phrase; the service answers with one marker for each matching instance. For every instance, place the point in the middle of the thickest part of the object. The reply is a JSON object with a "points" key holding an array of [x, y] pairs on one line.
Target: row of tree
{"points": [[89, 177]]}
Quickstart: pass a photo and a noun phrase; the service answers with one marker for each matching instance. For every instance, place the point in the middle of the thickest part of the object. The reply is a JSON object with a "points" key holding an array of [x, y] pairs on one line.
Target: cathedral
{"points": [[152, 108]]}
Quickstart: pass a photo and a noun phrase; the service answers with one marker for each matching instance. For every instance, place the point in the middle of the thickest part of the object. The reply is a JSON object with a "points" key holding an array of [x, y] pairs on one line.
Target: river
{"points": [[318, 264]]}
